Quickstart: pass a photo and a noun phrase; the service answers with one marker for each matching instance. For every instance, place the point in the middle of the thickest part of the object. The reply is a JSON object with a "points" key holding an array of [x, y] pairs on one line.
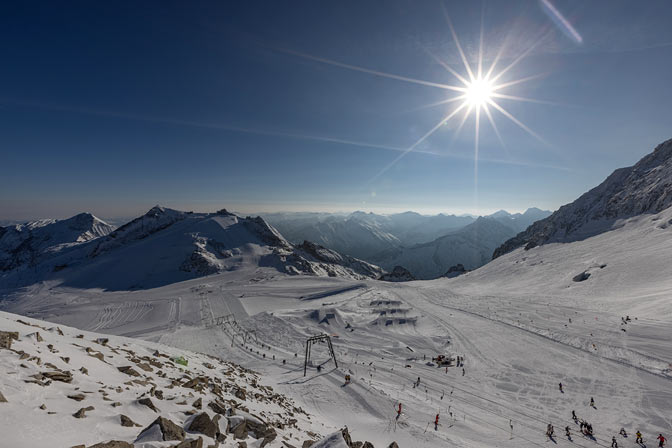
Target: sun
{"points": [[478, 92]]}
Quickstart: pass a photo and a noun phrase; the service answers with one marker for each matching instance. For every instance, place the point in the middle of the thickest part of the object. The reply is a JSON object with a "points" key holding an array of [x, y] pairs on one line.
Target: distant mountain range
{"points": [[425, 245], [645, 187], [165, 246], [160, 247]]}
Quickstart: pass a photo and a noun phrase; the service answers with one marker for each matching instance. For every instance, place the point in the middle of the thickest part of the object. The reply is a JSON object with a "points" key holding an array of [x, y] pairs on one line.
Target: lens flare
{"points": [[479, 92]]}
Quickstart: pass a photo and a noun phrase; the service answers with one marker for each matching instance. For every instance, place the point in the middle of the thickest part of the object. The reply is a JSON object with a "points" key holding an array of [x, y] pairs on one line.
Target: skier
{"points": [[661, 440], [399, 411], [592, 402], [436, 423], [623, 433], [462, 371], [638, 438], [574, 416], [549, 431], [614, 443], [560, 385], [568, 433]]}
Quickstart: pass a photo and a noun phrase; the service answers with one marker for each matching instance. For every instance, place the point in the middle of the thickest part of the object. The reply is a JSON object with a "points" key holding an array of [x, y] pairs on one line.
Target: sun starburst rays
{"points": [[477, 91]]}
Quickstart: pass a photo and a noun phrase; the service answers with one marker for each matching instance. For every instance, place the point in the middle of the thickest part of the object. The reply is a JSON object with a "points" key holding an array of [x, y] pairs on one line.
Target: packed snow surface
{"points": [[522, 324]]}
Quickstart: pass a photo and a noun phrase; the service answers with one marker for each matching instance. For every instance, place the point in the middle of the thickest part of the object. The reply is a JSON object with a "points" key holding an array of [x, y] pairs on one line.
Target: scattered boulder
{"points": [[37, 336], [128, 370], [203, 424], [242, 423], [6, 338], [113, 444], [198, 404], [77, 397], [126, 421], [393, 445], [82, 412], [191, 443], [144, 366], [161, 429], [58, 375], [348, 440], [237, 427], [581, 277], [2, 398], [148, 402], [240, 393], [217, 406]]}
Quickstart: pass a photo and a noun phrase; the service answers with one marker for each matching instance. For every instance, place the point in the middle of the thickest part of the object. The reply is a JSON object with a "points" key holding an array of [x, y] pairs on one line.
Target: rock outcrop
{"points": [[645, 187], [398, 274]]}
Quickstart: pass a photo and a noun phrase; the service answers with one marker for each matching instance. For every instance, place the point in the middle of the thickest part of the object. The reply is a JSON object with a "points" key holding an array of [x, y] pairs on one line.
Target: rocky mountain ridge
{"points": [[645, 187], [165, 246]]}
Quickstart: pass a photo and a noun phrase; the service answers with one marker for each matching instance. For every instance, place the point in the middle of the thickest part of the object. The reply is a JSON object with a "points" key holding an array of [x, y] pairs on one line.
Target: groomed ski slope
{"points": [[510, 321]]}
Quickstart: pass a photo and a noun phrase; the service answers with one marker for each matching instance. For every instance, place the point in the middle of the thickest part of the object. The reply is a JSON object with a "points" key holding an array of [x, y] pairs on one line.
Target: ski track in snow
{"points": [[517, 348]]}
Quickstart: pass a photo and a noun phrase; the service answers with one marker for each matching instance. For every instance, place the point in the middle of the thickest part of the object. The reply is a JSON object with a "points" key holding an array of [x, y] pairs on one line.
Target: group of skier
{"points": [[587, 430]]}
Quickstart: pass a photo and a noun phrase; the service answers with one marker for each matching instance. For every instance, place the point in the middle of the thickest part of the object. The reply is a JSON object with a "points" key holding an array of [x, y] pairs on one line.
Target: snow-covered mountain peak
{"points": [[166, 246], [33, 242]]}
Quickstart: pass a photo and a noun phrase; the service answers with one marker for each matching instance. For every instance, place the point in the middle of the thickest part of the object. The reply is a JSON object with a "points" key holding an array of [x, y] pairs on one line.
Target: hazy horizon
{"points": [[62, 213]]}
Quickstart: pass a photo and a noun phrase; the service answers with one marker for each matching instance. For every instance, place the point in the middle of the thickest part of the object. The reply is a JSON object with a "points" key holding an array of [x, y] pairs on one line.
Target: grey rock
{"points": [[204, 425], [128, 370], [147, 402], [191, 443], [113, 444], [6, 338], [82, 412], [169, 430], [581, 277], [126, 421]]}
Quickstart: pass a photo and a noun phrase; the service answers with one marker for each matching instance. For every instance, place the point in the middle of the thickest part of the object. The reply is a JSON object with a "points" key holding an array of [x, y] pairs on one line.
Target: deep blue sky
{"points": [[112, 107]]}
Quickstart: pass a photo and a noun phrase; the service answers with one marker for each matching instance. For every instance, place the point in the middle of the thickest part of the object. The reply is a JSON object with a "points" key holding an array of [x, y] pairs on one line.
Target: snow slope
{"points": [[629, 269], [517, 348]]}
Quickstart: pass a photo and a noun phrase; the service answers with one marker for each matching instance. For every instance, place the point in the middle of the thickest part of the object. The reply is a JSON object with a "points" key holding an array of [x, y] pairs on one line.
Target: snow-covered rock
{"points": [[645, 187], [455, 271], [100, 396], [398, 274]]}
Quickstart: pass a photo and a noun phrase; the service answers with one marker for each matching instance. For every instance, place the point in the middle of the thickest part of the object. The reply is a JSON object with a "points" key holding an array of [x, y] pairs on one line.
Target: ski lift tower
{"points": [[313, 340]]}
